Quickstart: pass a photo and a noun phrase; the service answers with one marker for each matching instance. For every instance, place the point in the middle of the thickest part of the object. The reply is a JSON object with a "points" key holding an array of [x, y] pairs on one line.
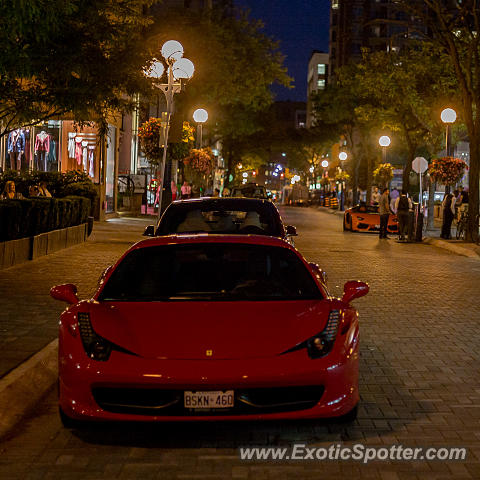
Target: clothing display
{"points": [[91, 160], [52, 155], [42, 149], [78, 150], [71, 144], [85, 155], [42, 142], [16, 141]]}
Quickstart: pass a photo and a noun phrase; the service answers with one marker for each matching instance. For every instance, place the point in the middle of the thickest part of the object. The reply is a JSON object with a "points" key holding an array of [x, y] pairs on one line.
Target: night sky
{"points": [[301, 26]]}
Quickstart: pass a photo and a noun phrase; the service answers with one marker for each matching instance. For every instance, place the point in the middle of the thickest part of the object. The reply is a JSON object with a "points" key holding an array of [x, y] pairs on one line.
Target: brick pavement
{"points": [[28, 316], [419, 383]]}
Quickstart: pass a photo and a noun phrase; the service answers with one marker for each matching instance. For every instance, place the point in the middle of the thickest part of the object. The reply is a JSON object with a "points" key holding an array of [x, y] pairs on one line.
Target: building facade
{"points": [[373, 24], [317, 79]]}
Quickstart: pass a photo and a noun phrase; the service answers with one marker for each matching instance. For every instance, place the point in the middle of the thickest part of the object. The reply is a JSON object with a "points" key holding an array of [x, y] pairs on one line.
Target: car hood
{"points": [[209, 330]]}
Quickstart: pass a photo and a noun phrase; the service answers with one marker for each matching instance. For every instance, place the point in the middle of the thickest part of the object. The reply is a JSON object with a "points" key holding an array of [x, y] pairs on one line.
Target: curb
{"points": [[459, 250], [24, 387]]}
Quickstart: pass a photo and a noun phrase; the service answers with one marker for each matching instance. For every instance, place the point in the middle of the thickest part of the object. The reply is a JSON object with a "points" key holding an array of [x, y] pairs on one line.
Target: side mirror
{"points": [[354, 289], [149, 231], [291, 231], [65, 293], [319, 272]]}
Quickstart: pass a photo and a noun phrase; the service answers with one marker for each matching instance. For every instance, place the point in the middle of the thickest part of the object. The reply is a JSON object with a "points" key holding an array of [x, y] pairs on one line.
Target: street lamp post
{"points": [[342, 156], [384, 141], [200, 116], [325, 166], [448, 116], [179, 68]]}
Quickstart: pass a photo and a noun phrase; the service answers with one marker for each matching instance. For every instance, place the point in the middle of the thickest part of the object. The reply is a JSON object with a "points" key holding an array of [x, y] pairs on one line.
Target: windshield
{"points": [[366, 209], [250, 191], [233, 217], [210, 271]]}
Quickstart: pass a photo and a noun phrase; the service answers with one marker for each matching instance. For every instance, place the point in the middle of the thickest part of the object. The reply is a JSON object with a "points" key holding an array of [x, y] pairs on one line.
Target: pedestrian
{"points": [[216, 192], [448, 206], [33, 191], [403, 207], [186, 190], [376, 197], [384, 210], [43, 191], [9, 192], [174, 189]]}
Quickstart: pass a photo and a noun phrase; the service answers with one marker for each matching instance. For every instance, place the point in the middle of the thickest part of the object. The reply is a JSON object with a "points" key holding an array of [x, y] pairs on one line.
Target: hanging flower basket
{"points": [[383, 174], [200, 160], [150, 144], [447, 170]]}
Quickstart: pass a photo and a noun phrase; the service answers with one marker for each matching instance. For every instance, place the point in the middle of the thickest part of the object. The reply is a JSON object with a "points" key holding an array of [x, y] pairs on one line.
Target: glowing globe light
{"points": [[325, 164], [384, 141], [156, 70], [342, 156], [183, 68], [449, 115], [172, 50], [200, 115]]}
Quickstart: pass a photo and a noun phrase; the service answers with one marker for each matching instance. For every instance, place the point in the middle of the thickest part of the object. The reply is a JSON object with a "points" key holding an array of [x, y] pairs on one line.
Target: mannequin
{"points": [[42, 148], [91, 158], [16, 147], [78, 150], [85, 155]]}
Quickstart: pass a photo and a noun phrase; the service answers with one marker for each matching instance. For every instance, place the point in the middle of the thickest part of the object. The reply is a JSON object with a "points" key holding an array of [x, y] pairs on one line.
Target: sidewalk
{"points": [[29, 316], [432, 237]]}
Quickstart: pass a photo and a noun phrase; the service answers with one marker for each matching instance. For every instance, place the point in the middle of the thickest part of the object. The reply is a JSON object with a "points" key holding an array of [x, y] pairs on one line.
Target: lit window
{"points": [[335, 3], [321, 83], [321, 69]]}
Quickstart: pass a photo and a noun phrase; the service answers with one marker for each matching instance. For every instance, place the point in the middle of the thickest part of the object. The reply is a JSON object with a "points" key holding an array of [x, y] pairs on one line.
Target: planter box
{"points": [[18, 251]]}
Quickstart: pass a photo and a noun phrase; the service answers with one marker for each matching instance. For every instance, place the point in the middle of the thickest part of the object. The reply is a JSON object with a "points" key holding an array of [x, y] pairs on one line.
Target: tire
{"points": [[349, 417]]}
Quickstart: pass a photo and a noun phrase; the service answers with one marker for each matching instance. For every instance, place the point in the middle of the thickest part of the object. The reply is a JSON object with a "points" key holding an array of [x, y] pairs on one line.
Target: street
{"points": [[419, 372]]}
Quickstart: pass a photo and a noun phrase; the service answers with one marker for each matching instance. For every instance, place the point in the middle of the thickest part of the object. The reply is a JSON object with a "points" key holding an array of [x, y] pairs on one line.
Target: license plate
{"points": [[207, 400], [377, 226]]}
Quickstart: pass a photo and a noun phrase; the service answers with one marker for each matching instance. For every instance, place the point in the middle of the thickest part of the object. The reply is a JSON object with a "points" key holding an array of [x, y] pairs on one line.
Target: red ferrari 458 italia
{"points": [[365, 218], [208, 327]]}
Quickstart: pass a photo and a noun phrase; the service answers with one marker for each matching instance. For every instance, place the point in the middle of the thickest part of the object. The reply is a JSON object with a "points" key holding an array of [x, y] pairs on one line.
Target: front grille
{"points": [[165, 402]]}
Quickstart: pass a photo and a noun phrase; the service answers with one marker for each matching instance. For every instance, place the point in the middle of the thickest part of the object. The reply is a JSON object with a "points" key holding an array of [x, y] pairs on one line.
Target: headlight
{"points": [[321, 344], [96, 347]]}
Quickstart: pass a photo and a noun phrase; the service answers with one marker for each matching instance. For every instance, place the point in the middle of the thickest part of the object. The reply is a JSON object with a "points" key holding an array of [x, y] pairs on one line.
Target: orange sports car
{"points": [[365, 218]]}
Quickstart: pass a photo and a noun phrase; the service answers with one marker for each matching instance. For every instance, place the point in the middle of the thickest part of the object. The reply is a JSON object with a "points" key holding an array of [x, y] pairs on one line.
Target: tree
{"points": [[84, 58], [453, 28], [402, 91], [235, 65], [340, 108]]}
